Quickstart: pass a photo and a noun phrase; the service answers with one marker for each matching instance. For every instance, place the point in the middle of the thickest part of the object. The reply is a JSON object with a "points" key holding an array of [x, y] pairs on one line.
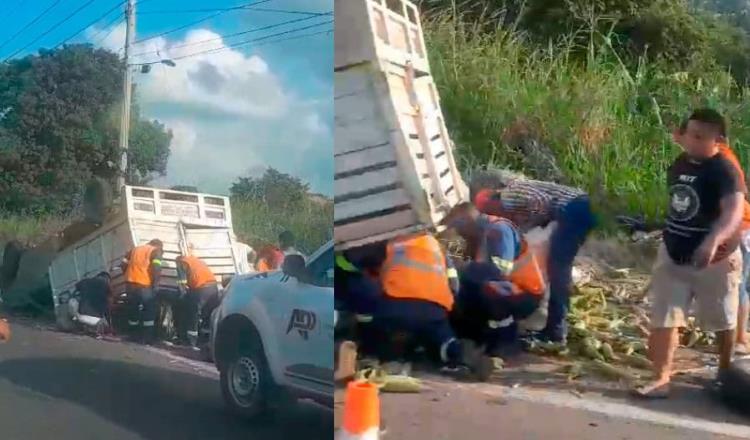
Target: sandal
{"points": [[651, 391]]}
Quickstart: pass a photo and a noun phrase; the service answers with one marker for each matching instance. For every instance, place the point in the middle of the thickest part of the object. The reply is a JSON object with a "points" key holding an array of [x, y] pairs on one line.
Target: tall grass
{"points": [[257, 223], [28, 230], [606, 124]]}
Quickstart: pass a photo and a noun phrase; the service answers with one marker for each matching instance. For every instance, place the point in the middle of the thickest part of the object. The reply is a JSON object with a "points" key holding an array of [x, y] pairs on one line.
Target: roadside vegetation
{"points": [[586, 95]]}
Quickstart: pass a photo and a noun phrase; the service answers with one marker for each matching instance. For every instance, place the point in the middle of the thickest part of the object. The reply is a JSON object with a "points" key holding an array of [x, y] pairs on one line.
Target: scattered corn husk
{"points": [[610, 371], [637, 361], [390, 383]]}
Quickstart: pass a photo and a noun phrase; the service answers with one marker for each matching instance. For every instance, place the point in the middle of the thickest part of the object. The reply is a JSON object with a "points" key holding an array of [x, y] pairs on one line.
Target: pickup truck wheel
{"points": [[246, 381]]}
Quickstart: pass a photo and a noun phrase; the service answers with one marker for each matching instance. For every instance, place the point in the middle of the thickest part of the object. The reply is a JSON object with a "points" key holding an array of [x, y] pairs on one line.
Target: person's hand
{"points": [[4, 331], [705, 253]]}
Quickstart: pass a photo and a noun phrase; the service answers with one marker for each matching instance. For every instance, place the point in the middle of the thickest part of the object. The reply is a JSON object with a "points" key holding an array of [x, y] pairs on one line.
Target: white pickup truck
{"points": [[272, 335], [181, 220]]}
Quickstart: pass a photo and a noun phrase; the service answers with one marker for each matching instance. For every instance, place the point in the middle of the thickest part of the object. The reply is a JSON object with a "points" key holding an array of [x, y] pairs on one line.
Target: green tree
{"points": [[59, 125], [274, 188]]}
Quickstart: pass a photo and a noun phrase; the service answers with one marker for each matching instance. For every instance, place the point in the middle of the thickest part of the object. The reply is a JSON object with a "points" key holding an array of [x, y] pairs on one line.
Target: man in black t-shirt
{"points": [[700, 259]]}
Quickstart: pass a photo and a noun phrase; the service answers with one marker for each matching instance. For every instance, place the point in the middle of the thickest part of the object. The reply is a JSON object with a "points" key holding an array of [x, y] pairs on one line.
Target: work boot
{"points": [[474, 357]]}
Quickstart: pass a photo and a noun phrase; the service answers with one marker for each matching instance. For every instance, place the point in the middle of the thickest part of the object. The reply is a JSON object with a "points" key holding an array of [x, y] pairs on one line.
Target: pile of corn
{"points": [[608, 328]]}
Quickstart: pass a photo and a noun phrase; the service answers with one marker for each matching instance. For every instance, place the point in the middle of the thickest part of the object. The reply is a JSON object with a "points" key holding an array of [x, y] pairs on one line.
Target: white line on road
{"points": [[197, 365], [618, 410]]}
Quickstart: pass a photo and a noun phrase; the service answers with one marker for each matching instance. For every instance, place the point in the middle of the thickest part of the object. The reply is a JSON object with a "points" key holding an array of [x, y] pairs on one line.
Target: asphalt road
{"points": [[64, 387], [448, 410]]}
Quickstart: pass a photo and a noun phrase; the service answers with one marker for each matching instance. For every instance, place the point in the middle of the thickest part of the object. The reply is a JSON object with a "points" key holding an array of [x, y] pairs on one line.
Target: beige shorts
{"points": [[713, 288]]}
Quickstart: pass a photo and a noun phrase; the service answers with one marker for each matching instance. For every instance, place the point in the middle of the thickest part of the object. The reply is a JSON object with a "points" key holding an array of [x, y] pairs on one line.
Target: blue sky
{"points": [[234, 111]]}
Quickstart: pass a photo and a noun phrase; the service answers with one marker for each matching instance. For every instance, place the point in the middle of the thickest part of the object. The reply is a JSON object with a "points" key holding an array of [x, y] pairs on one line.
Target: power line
{"points": [[234, 8], [55, 26], [88, 25], [296, 37], [31, 23], [287, 11], [241, 43], [272, 26], [200, 21]]}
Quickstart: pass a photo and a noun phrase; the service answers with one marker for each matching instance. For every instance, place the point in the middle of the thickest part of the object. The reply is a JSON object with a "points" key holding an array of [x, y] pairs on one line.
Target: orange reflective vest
{"points": [[198, 272], [415, 268], [727, 153], [139, 266], [525, 272]]}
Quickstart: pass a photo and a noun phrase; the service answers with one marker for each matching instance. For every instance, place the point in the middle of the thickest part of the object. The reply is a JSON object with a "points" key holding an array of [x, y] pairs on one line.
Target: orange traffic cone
{"points": [[361, 412], [4, 331]]}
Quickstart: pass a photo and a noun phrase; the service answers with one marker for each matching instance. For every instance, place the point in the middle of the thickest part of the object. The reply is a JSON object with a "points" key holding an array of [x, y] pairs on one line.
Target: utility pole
{"points": [[127, 88]]}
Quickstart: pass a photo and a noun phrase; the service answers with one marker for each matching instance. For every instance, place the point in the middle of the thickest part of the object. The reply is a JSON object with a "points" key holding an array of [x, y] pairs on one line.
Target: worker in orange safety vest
{"points": [[417, 300], [200, 296], [501, 285], [142, 269]]}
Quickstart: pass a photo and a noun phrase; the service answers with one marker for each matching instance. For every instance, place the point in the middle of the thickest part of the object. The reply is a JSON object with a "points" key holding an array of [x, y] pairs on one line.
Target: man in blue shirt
{"points": [[502, 283]]}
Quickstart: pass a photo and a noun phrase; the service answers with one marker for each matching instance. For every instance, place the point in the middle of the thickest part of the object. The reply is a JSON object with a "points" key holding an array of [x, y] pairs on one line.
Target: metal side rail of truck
{"points": [[194, 222]]}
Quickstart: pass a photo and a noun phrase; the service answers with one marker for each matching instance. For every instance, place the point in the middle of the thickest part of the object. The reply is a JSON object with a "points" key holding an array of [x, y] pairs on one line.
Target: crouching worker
{"points": [[417, 300], [200, 296], [502, 284], [358, 293]]}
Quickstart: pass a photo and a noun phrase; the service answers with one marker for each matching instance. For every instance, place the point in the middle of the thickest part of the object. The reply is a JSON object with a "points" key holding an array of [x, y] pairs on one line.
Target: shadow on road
{"points": [[158, 403]]}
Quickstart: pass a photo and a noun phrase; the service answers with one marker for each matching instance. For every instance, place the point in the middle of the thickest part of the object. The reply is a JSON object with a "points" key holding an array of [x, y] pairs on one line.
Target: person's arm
{"points": [[125, 261], [155, 267], [731, 216], [502, 245], [525, 205], [502, 242], [452, 273], [182, 277], [732, 192]]}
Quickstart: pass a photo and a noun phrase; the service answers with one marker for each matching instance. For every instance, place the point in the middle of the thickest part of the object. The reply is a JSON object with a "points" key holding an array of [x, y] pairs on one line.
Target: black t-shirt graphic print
{"points": [[695, 191]]}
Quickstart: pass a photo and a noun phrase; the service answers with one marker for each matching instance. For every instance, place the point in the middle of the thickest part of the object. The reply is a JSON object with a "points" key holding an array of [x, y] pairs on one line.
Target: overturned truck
{"points": [[185, 222]]}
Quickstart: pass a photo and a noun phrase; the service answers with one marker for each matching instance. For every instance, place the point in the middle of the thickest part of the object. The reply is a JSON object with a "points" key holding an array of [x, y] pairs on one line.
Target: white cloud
{"points": [[229, 112]]}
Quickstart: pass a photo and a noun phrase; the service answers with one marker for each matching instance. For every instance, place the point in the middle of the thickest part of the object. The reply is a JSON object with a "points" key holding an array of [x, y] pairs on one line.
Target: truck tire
{"points": [[11, 259], [246, 381], [97, 200], [735, 385]]}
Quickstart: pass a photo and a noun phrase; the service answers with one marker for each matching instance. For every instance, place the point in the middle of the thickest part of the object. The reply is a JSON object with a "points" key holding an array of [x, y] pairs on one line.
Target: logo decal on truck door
{"points": [[303, 321]]}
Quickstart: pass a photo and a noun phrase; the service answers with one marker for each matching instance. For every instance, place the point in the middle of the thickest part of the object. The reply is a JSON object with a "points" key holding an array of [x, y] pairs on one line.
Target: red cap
{"points": [[483, 199]]}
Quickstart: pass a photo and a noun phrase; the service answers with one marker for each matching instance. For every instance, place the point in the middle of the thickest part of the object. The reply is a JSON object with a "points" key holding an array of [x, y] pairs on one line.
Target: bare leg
{"points": [[662, 344], [725, 341], [743, 315]]}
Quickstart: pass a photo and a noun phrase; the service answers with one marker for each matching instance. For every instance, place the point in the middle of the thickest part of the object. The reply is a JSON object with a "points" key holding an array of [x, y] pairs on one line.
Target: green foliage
{"points": [[675, 31], [257, 223], [263, 207], [279, 190], [59, 125], [606, 123]]}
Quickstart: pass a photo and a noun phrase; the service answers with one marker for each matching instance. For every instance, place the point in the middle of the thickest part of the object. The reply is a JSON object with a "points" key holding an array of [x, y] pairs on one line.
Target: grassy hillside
{"points": [[600, 120]]}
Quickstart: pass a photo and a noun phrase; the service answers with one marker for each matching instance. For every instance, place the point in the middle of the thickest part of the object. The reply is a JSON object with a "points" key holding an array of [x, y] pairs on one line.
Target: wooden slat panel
{"points": [[359, 123], [375, 226], [365, 205], [366, 181], [357, 160]]}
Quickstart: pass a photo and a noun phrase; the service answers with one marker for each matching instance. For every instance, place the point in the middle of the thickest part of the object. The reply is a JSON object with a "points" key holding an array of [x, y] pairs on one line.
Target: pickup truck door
{"points": [[308, 327]]}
